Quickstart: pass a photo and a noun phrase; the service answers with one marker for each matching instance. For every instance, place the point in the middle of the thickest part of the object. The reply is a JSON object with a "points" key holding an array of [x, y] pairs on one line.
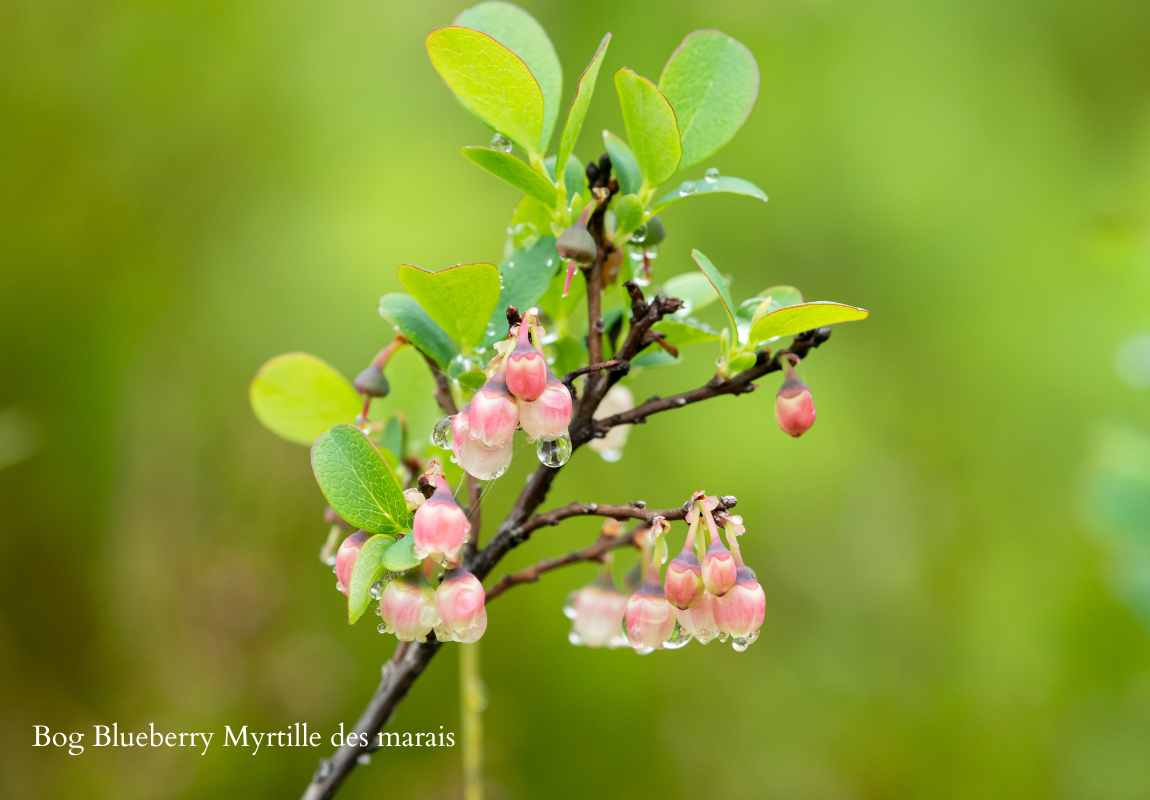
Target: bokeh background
{"points": [[956, 557]]}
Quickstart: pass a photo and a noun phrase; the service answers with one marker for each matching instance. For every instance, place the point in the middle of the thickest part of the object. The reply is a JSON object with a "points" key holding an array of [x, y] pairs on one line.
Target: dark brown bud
{"points": [[576, 243]]}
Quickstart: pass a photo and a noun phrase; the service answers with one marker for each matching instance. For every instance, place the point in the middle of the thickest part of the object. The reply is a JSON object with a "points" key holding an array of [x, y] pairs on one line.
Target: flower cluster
{"points": [[716, 595], [520, 392]]}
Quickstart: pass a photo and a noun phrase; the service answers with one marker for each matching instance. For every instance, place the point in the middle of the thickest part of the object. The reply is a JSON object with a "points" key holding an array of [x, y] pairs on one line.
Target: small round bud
{"points": [[345, 559], [794, 406], [576, 243], [372, 382], [656, 233], [719, 568], [526, 369]]}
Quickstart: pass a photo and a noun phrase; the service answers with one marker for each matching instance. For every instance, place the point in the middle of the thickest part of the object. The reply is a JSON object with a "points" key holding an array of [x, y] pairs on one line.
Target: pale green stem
{"points": [[472, 699]]}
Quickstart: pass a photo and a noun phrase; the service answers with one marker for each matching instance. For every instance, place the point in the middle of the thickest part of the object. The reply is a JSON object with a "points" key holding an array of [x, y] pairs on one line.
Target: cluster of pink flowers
{"points": [[520, 392], [409, 606], [700, 598]]}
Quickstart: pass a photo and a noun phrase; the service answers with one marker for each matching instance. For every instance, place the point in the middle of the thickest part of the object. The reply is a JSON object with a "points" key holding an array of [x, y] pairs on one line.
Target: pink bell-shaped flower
{"points": [[617, 400], [493, 414], [740, 611], [650, 618], [526, 368], [597, 612], [407, 607], [699, 619], [683, 584], [794, 406], [440, 527], [345, 559], [474, 456], [719, 565], [548, 416], [460, 603]]}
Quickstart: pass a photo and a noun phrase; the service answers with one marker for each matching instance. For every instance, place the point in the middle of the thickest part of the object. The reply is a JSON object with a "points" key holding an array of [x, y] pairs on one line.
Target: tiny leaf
{"points": [[357, 481], [623, 160], [491, 81], [712, 186], [578, 110], [712, 81], [459, 298], [298, 396], [574, 179], [401, 555], [408, 317], [522, 34], [796, 319], [628, 214], [366, 571], [719, 282], [511, 169], [651, 127]]}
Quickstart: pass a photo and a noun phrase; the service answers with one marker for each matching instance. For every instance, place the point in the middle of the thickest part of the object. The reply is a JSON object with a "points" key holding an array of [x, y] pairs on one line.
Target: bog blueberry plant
{"points": [[526, 346]]}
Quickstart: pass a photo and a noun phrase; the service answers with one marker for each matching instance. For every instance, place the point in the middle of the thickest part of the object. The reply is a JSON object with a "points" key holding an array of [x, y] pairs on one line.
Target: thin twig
{"points": [[531, 574]]}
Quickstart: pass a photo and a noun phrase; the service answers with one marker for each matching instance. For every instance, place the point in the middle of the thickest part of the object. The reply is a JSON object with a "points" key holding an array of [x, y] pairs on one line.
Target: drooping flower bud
{"points": [[460, 603], [414, 498], [740, 611], [684, 581], [526, 369], [440, 527], [617, 400], [699, 620], [794, 406], [548, 416], [345, 559], [493, 414], [719, 565], [650, 618], [474, 456], [407, 607], [372, 382], [597, 612]]}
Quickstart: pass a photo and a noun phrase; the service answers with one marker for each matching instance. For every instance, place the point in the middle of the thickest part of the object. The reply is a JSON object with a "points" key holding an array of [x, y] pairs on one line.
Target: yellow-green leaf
{"points": [[719, 184], [298, 396], [367, 570], [578, 110], [720, 283], [460, 299], [796, 319], [651, 127], [357, 481], [511, 169]]}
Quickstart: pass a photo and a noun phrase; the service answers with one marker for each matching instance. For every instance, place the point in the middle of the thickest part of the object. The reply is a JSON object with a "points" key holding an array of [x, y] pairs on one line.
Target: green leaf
{"points": [[392, 437], [401, 555], [796, 319], [779, 297], [628, 214], [412, 395], [682, 333], [782, 296], [357, 481], [554, 304], [472, 380], [651, 127], [526, 274], [530, 219], [578, 110], [366, 571], [511, 169], [459, 298], [623, 161], [719, 282], [707, 186], [656, 357], [298, 396], [522, 34], [711, 80], [408, 317], [491, 81], [574, 179], [693, 288]]}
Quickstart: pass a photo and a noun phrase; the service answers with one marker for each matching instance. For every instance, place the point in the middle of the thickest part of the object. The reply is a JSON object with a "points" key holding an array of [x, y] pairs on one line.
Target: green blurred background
{"points": [[956, 558]]}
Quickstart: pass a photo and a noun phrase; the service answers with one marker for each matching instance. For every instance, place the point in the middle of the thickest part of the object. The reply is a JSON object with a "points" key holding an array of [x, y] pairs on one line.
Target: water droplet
{"points": [[644, 651], [640, 234], [712, 175], [687, 187], [569, 606], [325, 769], [500, 142], [636, 253], [679, 638], [510, 265], [498, 473], [740, 644], [723, 637], [610, 456], [550, 262], [554, 452], [363, 759], [652, 252], [441, 433], [574, 638], [338, 585]]}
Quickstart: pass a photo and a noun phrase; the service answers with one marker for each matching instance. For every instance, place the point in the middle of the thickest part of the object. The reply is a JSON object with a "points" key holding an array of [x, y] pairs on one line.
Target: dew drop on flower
{"points": [[554, 453], [679, 638], [376, 590], [687, 187], [569, 606], [712, 175], [500, 142], [636, 253], [441, 433], [740, 644]]}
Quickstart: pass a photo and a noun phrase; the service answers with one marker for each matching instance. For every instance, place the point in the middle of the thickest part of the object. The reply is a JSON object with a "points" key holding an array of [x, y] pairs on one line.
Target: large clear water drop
{"points": [[712, 175], [554, 452], [501, 142], [441, 433]]}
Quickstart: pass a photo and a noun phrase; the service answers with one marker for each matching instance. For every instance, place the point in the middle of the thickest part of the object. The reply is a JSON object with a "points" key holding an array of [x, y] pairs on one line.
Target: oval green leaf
{"points": [[712, 81], [651, 127], [357, 481], [720, 283], [522, 34], [796, 319], [367, 570], [460, 298], [578, 110], [401, 555], [491, 81], [693, 288], [298, 396], [511, 169], [408, 317], [628, 214], [526, 274], [720, 184], [574, 179], [623, 161]]}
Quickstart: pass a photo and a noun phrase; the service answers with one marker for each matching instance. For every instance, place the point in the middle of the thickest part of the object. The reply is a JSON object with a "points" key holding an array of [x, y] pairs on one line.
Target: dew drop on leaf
{"points": [[712, 175], [500, 142]]}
